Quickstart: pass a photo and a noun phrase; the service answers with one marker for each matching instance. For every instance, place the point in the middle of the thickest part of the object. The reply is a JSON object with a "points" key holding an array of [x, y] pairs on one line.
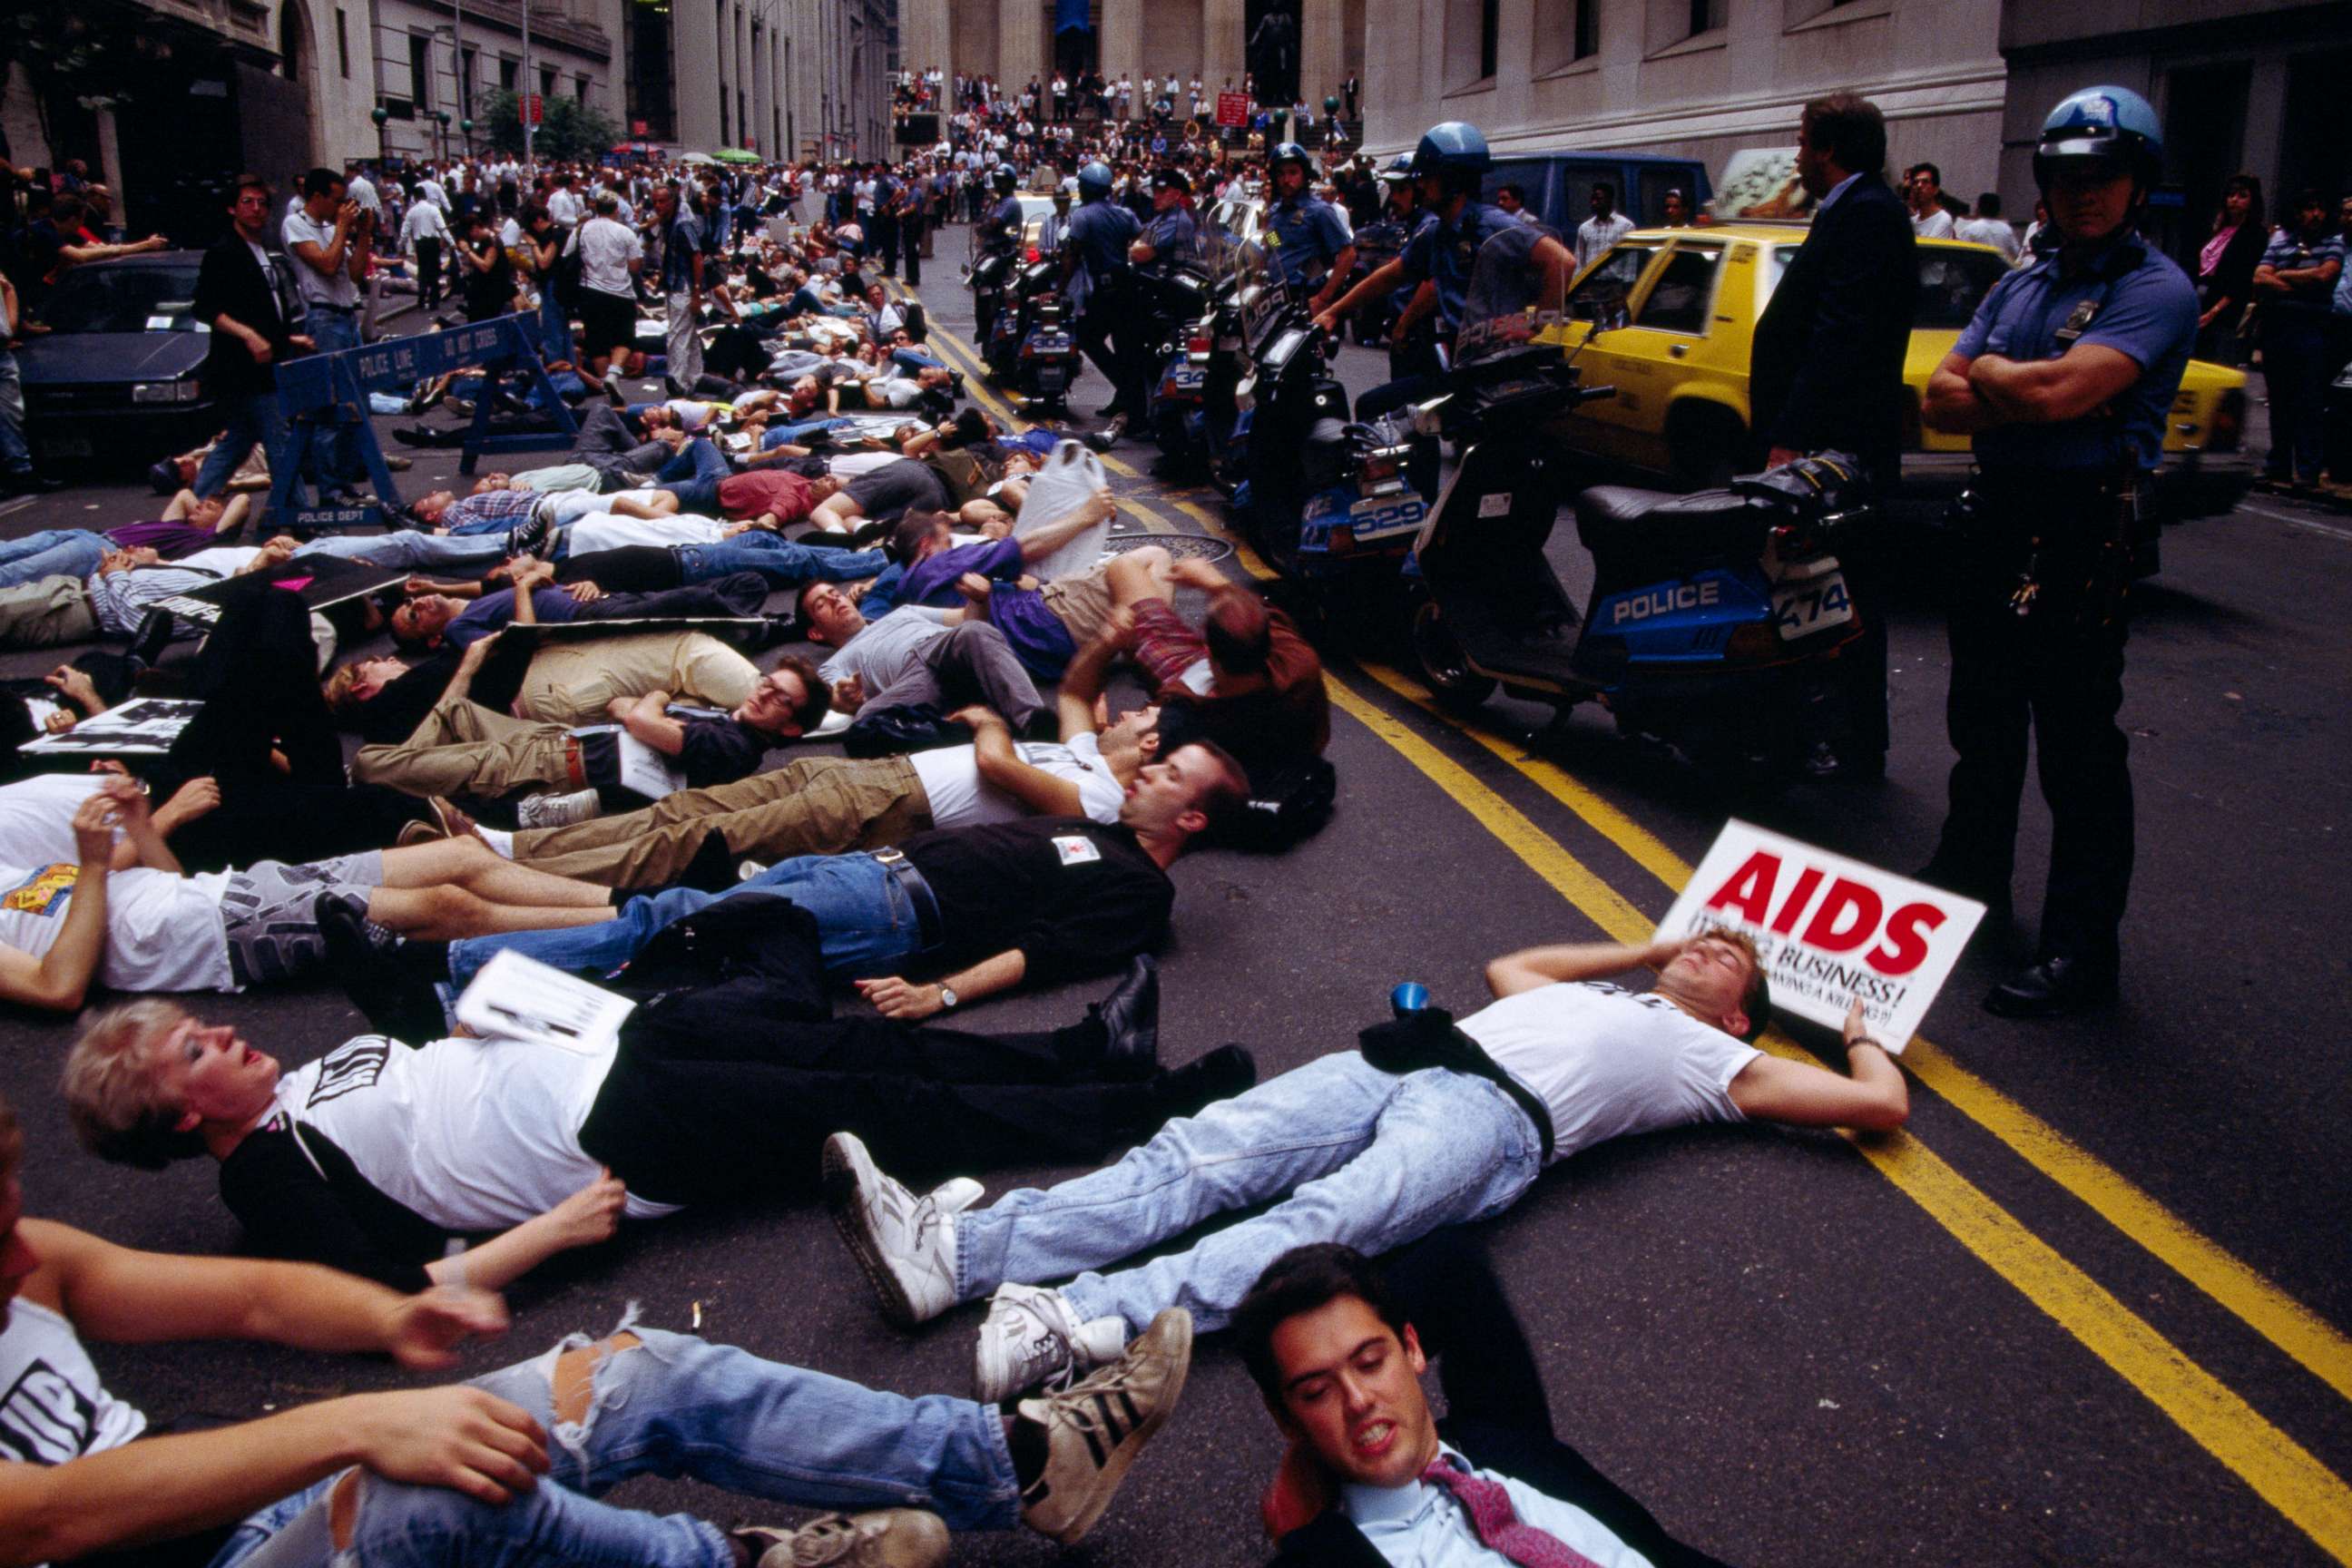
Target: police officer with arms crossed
{"points": [[2064, 378], [1092, 264], [1311, 239], [1449, 164]]}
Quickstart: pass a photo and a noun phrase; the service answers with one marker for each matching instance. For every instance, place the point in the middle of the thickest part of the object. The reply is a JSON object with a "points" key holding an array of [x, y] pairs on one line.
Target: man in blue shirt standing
{"points": [[1094, 263], [681, 274], [1309, 240], [2064, 378], [2293, 283]]}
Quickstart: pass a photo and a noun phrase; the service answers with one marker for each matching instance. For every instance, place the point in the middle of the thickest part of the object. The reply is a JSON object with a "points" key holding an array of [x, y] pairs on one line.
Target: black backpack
{"points": [[1288, 802]]}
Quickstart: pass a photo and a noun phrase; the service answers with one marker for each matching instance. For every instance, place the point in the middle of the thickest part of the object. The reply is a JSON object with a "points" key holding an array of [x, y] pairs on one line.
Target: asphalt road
{"points": [[2090, 1308]]}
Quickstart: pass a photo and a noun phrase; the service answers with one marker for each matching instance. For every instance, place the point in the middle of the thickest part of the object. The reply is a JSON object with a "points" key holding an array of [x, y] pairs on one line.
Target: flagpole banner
{"points": [[1830, 928]]}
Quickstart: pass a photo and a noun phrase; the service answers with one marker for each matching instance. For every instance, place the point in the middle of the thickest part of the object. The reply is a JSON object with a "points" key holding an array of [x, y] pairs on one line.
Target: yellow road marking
{"points": [[2280, 1471], [2317, 1345]]}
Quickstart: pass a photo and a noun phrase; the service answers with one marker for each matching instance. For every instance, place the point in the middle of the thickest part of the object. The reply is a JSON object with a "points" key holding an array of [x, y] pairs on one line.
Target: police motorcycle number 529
{"points": [[1801, 606]]}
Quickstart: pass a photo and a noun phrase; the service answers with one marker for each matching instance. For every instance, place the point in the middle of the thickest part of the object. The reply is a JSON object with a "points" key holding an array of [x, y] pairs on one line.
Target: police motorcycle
{"points": [[1716, 620], [991, 272], [1173, 310], [1033, 346]]}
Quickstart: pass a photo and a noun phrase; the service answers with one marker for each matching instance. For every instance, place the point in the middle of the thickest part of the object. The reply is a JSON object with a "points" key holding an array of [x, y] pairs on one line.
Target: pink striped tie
{"points": [[1488, 1503]]}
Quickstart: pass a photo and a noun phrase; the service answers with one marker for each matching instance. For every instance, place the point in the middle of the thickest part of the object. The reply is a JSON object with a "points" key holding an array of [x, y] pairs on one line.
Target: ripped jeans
{"points": [[671, 1405]]}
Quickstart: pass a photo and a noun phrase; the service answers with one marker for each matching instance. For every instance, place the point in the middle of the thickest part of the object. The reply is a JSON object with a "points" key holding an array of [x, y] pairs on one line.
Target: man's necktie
{"points": [[1488, 1504]]}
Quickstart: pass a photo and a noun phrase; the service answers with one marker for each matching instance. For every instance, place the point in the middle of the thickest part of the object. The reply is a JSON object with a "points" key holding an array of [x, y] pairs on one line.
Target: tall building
{"points": [[1689, 78], [436, 60], [783, 77], [1302, 47]]}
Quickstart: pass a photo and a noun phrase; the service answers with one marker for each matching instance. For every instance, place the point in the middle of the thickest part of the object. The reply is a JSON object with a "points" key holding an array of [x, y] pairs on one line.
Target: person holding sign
{"points": [[1431, 1123]]}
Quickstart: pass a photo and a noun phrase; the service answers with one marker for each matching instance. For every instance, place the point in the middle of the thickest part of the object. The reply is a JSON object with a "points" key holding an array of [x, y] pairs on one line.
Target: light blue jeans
{"points": [[247, 423], [53, 553], [865, 923], [782, 563], [672, 1406], [1357, 1155], [335, 439], [411, 551]]}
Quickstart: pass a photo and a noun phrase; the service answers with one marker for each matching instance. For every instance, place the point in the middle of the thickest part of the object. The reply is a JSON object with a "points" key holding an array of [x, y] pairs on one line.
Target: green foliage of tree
{"points": [[568, 129]]}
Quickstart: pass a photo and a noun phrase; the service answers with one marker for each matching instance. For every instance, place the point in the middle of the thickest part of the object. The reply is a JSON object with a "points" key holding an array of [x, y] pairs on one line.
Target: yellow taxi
{"points": [[1679, 307]]}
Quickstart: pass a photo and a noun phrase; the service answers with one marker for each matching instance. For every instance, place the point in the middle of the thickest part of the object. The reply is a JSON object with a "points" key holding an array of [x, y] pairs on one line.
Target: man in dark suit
{"points": [[1338, 1348], [1827, 369], [254, 315]]}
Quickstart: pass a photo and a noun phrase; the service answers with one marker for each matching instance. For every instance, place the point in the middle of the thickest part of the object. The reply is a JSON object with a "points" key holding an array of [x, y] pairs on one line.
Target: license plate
{"points": [[1816, 603], [66, 445], [1187, 377]]}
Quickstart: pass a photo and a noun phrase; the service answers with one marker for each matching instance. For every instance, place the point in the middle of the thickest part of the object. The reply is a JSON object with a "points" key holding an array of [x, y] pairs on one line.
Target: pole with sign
{"points": [[1232, 110]]}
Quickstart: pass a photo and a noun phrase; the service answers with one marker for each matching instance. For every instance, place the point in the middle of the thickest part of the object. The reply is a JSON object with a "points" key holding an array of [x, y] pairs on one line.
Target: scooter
{"points": [[987, 280], [1172, 331], [1032, 348], [1717, 621]]}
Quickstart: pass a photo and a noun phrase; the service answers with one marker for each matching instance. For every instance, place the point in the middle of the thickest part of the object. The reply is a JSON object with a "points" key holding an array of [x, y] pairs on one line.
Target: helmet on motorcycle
{"points": [[1455, 152], [1094, 180], [2111, 124], [1006, 181]]}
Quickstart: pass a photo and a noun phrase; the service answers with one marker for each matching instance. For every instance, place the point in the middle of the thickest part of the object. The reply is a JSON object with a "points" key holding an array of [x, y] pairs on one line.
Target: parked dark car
{"points": [[116, 378]]}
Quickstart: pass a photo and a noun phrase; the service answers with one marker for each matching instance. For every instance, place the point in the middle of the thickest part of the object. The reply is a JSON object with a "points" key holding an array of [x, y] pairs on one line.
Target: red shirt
{"points": [[765, 491]]}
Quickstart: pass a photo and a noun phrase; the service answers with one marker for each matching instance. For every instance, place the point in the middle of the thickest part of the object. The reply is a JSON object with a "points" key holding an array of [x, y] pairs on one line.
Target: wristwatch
{"points": [[946, 998]]}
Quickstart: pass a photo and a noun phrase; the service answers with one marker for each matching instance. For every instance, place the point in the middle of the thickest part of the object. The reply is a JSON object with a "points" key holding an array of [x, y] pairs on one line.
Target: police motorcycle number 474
{"points": [[1803, 605]]}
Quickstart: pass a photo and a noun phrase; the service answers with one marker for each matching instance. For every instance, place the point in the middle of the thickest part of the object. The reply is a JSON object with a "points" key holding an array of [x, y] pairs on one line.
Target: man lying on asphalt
{"points": [[432, 1476], [425, 621], [562, 682], [1428, 1125], [913, 657]]}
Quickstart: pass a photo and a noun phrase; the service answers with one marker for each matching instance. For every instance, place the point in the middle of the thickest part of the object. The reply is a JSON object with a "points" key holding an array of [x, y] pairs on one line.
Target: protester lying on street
{"points": [[1428, 1124], [407, 1478], [914, 657], [571, 682], [465, 750], [423, 622]]}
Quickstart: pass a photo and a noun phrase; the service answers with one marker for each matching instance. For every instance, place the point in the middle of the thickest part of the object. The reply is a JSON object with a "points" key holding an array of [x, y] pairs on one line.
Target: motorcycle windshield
{"points": [[1516, 290]]}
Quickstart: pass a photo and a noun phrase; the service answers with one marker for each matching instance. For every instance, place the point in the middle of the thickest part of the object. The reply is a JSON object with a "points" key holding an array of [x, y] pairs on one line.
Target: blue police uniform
{"points": [[1175, 239], [2037, 620], [1100, 232], [1001, 231], [1306, 234], [1446, 253]]}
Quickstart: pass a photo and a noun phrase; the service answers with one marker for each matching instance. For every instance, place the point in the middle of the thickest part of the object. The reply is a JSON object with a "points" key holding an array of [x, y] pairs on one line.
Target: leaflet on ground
{"points": [[520, 999]]}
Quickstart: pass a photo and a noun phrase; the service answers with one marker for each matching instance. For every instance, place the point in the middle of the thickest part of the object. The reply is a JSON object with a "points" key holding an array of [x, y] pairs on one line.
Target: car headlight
{"points": [[185, 391]]}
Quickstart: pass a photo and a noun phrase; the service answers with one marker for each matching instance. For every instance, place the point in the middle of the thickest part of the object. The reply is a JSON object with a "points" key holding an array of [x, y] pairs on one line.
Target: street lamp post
{"points": [[380, 114], [441, 119], [466, 125]]}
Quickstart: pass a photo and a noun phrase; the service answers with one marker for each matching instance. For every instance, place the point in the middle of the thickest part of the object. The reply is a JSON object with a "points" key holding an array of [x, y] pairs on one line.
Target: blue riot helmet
{"points": [[2112, 124], [1006, 181], [1398, 168], [1455, 152], [1289, 153], [1094, 182]]}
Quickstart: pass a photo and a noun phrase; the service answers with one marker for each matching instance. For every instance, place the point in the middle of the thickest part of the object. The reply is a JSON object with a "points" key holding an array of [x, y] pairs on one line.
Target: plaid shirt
{"points": [[492, 512]]}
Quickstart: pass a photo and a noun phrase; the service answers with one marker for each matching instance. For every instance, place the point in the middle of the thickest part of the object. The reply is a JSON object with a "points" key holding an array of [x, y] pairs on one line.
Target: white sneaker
{"points": [[558, 810], [1032, 1334], [905, 1244]]}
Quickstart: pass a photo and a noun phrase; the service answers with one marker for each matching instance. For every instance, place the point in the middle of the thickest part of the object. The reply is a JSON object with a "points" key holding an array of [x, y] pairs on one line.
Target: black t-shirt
{"points": [[719, 751], [490, 293], [327, 1212], [1074, 896]]}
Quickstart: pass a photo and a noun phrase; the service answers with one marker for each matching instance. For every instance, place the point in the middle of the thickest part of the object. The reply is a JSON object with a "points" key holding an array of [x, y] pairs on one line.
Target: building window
{"points": [[508, 70], [546, 81], [580, 89], [465, 64], [1585, 33], [1707, 15], [343, 43], [1473, 42], [420, 70]]}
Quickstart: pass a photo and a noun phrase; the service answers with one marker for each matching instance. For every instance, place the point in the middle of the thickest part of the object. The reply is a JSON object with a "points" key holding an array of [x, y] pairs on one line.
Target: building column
{"points": [[1021, 46], [923, 34], [1225, 40], [1322, 52], [1122, 39]]}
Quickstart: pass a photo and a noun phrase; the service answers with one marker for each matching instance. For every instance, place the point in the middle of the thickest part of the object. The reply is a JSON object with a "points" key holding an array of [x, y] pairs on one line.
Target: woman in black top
{"points": [[490, 276], [2225, 269]]}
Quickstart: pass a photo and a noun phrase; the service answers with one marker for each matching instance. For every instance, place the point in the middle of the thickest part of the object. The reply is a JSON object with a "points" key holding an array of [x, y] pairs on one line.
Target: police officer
{"points": [[998, 234], [1448, 164], [1413, 337], [1169, 239], [2065, 378], [1100, 232], [1309, 240]]}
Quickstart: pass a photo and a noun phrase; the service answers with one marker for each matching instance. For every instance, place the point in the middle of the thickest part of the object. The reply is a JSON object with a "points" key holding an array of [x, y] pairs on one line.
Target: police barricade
{"points": [[335, 387]]}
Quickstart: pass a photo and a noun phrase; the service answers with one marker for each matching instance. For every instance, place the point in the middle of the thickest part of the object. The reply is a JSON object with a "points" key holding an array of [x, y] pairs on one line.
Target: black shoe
{"points": [[1130, 1019], [1111, 410], [867, 534], [2051, 988], [1222, 1074], [390, 996], [1994, 898], [527, 537], [1098, 441]]}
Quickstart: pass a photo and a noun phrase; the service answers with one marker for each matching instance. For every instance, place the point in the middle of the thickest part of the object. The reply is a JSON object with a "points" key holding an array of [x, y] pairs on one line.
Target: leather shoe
{"points": [[1129, 1016], [393, 1002], [2051, 988]]}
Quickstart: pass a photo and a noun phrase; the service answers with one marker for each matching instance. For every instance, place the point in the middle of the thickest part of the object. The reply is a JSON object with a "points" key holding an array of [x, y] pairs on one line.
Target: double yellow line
{"points": [[2280, 1472]]}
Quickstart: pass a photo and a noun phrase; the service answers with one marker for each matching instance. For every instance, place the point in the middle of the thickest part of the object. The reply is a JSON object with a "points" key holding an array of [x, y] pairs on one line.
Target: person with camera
{"points": [[329, 238], [2064, 378]]}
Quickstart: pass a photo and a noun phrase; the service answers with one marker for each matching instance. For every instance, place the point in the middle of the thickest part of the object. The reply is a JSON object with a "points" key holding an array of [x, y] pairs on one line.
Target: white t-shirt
{"points": [[36, 817], [951, 779], [606, 248], [469, 1134], [564, 507], [607, 531], [692, 414], [53, 1408], [422, 221], [884, 652], [564, 207], [1936, 225], [300, 228], [1609, 1062], [1989, 231], [162, 930]]}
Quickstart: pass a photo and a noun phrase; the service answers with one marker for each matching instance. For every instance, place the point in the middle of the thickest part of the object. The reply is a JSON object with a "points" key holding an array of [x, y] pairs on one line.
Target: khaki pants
{"points": [[464, 748], [572, 682], [46, 613], [1082, 603], [819, 805]]}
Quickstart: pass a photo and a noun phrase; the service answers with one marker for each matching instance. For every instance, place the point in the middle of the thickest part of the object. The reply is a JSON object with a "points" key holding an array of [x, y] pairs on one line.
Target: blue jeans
{"points": [[16, 455], [249, 422], [693, 475], [783, 563], [866, 923], [1357, 1155], [53, 552], [411, 551], [671, 1406], [334, 441]]}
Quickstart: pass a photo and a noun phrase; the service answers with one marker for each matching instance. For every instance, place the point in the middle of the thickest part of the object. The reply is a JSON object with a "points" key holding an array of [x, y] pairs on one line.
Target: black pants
{"points": [[2057, 672], [1096, 329], [970, 663], [882, 240], [737, 594], [428, 272], [910, 241], [630, 569], [693, 1117]]}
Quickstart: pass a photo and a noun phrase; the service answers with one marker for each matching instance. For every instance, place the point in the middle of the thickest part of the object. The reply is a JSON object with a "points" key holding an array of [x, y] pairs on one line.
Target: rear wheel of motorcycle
{"points": [[1457, 686]]}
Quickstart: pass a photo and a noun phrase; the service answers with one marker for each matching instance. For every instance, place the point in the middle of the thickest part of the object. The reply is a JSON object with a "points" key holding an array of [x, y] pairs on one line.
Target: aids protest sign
{"points": [[1830, 928]]}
